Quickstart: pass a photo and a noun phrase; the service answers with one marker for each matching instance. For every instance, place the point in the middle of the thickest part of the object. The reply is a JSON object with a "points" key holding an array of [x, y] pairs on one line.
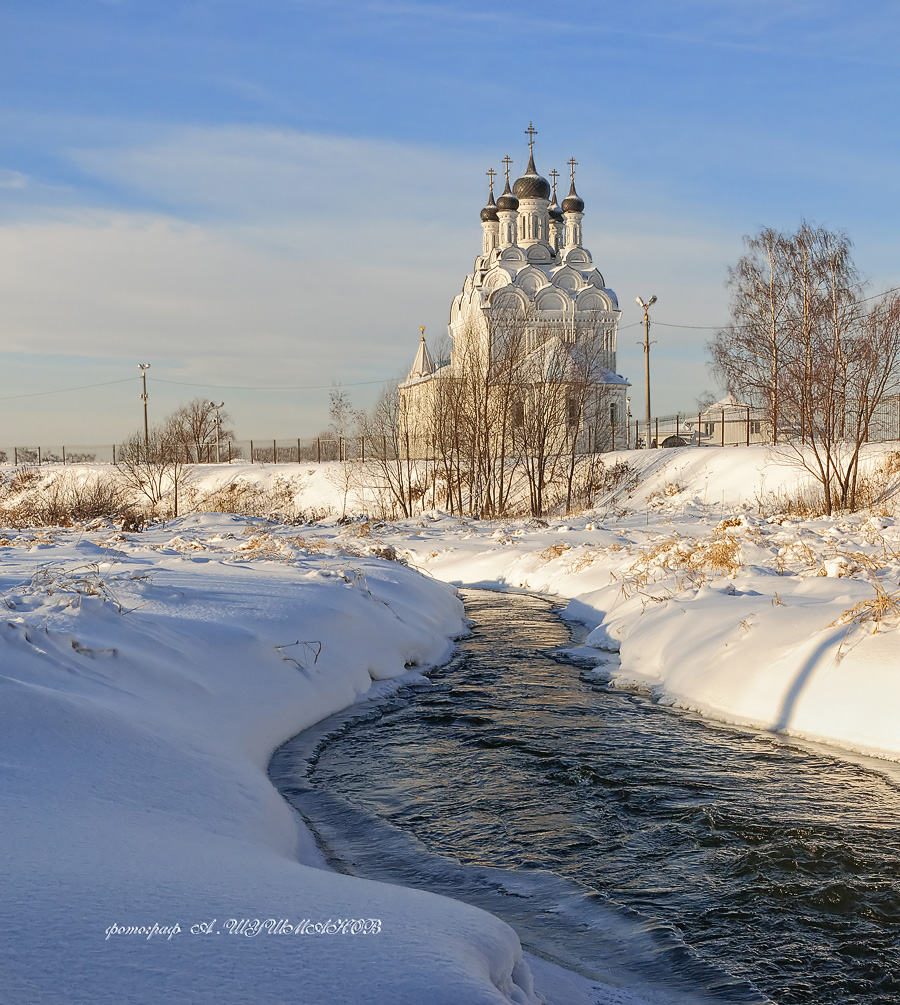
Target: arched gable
{"points": [[512, 254], [496, 278], [592, 299], [538, 253], [567, 279], [530, 280], [551, 299], [509, 298], [578, 256]]}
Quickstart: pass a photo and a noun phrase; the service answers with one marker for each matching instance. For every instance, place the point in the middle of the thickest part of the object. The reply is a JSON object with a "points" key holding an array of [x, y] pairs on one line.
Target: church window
{"points": [[518, 414], [572, 411]]}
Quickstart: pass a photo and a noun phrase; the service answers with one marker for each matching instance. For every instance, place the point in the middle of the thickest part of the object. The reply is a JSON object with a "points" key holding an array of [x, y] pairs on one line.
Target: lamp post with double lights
{"points": [[215, 407], [144, 368], [647, 344]]}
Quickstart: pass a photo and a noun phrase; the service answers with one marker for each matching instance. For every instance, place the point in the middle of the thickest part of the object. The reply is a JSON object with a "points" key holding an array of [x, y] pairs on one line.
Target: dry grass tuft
{"points": [[555, 551]]}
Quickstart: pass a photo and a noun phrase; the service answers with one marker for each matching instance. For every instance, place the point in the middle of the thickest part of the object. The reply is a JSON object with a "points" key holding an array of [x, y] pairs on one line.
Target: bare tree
{"points": [[154, 467], [805, 345], [391, 470], [746, 355], [194, 426]]}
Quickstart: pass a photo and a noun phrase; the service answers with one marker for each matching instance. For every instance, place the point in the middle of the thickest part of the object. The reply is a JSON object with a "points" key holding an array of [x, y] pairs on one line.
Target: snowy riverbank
{"points": [[144, 686], [146, 679]]}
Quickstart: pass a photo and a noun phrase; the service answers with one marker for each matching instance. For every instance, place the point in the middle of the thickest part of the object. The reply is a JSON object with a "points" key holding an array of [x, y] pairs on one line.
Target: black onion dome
{"points": [[507, 200], [489, 213], [555, 213], [531, 185], [573, 202]]}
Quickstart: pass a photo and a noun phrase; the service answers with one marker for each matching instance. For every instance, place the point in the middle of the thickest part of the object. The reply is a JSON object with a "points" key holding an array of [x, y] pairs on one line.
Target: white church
{"points": [[534, 266]]}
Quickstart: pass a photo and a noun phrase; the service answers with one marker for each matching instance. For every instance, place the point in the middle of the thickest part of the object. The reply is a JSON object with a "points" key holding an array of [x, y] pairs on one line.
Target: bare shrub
{"points": [[64, 499]]}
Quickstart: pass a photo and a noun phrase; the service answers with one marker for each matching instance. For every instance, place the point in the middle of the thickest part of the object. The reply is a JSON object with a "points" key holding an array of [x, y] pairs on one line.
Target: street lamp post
{"points": [[647, 344], [216, 408], [628, 423], [144, 368]]}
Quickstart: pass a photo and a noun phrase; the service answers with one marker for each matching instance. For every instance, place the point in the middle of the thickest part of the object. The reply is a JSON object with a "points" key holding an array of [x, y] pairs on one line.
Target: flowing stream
{"points": [[637, 844]]}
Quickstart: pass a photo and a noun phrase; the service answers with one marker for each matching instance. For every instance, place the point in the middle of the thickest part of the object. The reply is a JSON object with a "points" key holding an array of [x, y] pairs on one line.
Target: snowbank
{"points": [[783, 623], [144, 683]]}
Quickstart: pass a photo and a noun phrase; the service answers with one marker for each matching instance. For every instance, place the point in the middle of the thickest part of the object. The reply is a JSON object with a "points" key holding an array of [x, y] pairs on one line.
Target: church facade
{"points": [[537, 316]]}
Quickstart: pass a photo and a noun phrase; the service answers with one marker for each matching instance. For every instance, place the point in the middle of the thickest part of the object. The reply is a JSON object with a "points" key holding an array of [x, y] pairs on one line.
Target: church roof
{"points": [[489, 213], [573, 203], [531, 185], [507, 200], [423, 365]]}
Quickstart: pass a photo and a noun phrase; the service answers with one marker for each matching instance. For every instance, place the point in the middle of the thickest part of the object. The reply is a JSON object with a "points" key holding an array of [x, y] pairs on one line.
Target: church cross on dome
{"points": [[572, 164], [507, 160], [554, 174], [491, 173], [531, 132]]}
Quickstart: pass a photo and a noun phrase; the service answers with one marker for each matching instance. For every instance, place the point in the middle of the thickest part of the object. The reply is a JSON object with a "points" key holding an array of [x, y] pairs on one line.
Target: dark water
{"points": [[638, 844]]}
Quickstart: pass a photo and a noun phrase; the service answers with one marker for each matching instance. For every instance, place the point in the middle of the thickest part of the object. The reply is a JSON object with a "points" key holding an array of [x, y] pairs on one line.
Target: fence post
{"points": [[748, 425], [229, 451], [16, 456], [64, 455], [636, 434], [722, 434], [698, 430], [274, 452], [318, 450], [40, 462], [677, 428], [251, 451], [612, 423], [114, 453], [656, 437], [298, 449]]}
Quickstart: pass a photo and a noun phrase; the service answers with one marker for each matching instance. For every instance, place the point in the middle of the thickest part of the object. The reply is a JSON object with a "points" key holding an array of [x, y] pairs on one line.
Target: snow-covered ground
{"points": [[146, 678]]}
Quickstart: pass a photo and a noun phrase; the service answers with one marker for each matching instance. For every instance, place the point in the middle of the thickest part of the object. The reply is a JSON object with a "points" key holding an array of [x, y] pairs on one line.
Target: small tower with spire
{"points": [[423, 364], [490, 222], [507, 212], [573, 211]]}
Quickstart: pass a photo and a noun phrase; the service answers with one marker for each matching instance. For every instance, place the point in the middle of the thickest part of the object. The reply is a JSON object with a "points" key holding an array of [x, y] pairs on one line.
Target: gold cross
{"points": [[554, 174], [491, 173], [422, 330], [507, 160], [531, 132], [572, 164]]}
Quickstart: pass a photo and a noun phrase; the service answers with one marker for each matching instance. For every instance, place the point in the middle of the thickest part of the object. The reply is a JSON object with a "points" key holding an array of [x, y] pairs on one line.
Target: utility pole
{"points": [[144, 368], [216, 408], [647, 344]]}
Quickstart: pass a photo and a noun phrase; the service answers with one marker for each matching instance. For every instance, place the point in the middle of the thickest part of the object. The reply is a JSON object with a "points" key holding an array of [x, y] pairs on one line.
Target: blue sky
{"points": [[275, 194]]}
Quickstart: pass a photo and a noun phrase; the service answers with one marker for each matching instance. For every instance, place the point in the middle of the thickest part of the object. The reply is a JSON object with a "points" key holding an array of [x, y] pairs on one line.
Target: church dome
{"points": [[507, 200], [489, 213], [531, 185], [573, 202], [555, 213]]}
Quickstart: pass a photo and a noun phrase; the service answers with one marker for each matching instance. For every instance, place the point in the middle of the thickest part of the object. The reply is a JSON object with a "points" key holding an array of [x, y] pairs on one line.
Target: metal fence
{"points": [[280, 451], [742, 425], [732, 425]]}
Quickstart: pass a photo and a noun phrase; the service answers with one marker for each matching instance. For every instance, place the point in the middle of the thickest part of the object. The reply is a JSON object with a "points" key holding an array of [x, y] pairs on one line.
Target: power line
{"points": [[65, 390], [666, 324], [276, 387]]}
